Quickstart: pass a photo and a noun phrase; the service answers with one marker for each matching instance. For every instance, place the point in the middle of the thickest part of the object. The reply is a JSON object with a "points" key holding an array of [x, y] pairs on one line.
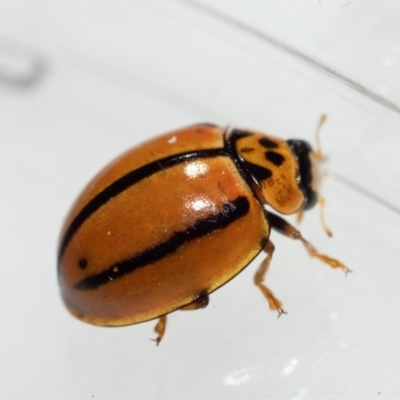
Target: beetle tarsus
{"points": [[332, 262], [160, 329]]}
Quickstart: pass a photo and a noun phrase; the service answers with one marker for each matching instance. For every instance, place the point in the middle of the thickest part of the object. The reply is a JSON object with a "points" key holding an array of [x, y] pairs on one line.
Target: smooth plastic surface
{"points": [[120, 72]]}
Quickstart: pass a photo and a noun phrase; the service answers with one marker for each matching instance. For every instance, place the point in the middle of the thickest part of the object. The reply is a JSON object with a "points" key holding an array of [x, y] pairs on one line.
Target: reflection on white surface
{"points": [[237, 377], [196, 169], [303, 393], [289, 369], [334, 317], [344, 345], [19, 66], [392, 57]]}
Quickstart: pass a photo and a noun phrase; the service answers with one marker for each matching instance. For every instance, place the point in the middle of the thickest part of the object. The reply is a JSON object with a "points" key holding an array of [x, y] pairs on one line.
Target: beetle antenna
{"points": [[321, 122], [321, 202], [319, 156]]}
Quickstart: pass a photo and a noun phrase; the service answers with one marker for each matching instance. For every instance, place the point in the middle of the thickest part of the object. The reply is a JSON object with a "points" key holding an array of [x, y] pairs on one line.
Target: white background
{"points": [[81, 81]]}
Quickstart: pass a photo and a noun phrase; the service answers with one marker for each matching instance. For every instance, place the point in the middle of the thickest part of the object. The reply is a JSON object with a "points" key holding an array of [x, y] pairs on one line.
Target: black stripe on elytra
{"points": [[229, 213], [276, 158], [128, 180], [247, 150]]}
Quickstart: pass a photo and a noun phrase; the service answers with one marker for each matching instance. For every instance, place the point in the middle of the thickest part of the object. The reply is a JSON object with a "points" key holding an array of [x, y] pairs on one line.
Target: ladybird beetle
{"points": [[173, 219]]}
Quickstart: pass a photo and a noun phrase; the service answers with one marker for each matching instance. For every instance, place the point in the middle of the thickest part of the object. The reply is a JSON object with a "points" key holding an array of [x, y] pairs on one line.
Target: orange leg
{"points": [[282, 226], [201, 301], [160, 329], [300, 216], [321, 202], [321, 122], [274, 303]]}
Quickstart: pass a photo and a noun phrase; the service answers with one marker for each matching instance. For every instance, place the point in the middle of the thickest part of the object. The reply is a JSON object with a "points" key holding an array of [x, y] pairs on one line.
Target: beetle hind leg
{"points": [[160, 329], [274, 303], [200, 301]]}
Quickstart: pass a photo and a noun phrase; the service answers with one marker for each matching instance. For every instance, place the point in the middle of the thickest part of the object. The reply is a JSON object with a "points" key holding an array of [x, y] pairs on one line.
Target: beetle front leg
{"points": [[283, 227], [259, 277]]}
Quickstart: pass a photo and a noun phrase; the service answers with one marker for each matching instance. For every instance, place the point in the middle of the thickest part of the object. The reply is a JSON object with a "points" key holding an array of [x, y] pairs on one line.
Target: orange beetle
{"points": [[175, 218]]}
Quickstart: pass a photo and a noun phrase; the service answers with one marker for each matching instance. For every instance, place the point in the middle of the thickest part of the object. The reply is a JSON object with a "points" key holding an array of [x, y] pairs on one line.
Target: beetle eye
{"points": [[82, 263], [305, 156]]}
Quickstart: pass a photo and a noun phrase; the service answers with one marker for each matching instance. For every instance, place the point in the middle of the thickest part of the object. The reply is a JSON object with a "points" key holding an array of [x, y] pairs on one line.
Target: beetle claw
{"points": [[281, 311], [347, 271]]}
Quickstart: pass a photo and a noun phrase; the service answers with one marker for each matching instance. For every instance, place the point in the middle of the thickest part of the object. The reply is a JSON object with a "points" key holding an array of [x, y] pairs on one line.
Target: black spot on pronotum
{"points": [[268, 143], [82, 263], [228, 214], [276, 158], [247, 150]]}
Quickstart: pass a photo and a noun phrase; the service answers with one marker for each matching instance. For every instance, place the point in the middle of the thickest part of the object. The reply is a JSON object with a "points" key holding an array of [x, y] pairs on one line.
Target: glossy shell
{"points": [[162, 225]]}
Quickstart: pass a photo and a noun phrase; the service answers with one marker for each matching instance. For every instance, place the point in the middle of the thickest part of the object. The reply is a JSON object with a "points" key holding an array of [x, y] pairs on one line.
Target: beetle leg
{"points": [[321, 202], [259, 276], [160, 329], [201, 301], [299, 216], [283, 227]]}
